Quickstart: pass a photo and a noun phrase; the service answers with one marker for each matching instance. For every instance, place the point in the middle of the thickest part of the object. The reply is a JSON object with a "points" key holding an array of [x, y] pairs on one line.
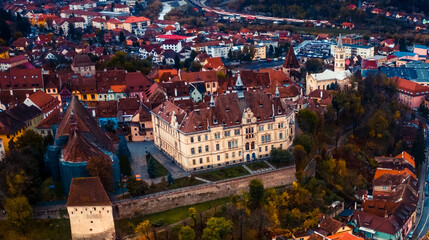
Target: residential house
{"points": [[141, 125], [137, 83], [6, 63], [43, 101], [114, 23], [13, 123], [210, 78], [121, 8], [410, 93], [83, 65], [82, 5], [172, 44], [136, 25]]}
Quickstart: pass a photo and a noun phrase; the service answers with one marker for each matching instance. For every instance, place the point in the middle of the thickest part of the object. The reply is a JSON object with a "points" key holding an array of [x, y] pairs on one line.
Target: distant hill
{"points": [[320, 9]]}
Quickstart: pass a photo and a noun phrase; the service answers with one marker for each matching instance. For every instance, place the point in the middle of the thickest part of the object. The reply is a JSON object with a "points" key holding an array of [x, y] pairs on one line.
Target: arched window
{"points": [[247, 146], [253, 145]]}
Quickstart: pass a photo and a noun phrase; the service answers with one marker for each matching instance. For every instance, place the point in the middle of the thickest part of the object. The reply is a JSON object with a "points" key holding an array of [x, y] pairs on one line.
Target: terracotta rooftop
{"points": [[331, 225], [82, 61], [44, 101], [87, 192]]}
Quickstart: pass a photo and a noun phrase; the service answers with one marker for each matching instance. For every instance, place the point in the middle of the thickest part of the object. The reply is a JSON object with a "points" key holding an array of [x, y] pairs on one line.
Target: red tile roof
{"points": [[134, 19], [44, 101], [87, 192], [410, 87]]}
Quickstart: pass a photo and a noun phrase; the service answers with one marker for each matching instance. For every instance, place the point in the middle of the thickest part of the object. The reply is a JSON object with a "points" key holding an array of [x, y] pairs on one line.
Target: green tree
{"points": [[31, 143], [378, 124], [176, 61], [314, 65], [186, 233], [170, 179], [124, 165], [151, 167], [193, 214], [308, 120], [135, 187], [19, 212], [418, 148], [195, 66], [304, 140], [121, 37], [16, 183], [338, 103], [102, 168], [300, 156], [217, 229], [143, 229], [256, 194], [279, 155]]}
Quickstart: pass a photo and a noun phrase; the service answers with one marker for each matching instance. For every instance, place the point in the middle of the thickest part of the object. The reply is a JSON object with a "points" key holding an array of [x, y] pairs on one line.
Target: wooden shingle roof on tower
{"points": [[87, 191], [291, 61], [77, 115]]}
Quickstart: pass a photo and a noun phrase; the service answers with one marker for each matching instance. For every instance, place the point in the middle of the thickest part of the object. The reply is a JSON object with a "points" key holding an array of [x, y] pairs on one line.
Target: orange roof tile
{"points": [[380, 172], [134, 19], [344, 236], [408, 157], [118, 88]]}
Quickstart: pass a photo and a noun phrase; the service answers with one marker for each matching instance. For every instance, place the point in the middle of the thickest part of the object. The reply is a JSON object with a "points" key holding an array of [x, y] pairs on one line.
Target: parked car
{"points": [[138, 178]]}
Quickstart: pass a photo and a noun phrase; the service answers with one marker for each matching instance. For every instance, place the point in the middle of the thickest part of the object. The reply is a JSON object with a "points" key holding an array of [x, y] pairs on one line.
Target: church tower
{"points": [[340, 59], [291, 66]]}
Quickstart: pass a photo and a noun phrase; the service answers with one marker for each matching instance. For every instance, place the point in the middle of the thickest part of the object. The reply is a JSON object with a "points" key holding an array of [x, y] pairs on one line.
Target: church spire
{"points": [[340, 42], [277, 94], [212, 102], [239, 87]]}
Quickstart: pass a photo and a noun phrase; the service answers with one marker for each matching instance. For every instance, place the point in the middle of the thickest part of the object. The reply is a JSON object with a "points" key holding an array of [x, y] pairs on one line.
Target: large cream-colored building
{"points": [[90, 210], [231, 128]]}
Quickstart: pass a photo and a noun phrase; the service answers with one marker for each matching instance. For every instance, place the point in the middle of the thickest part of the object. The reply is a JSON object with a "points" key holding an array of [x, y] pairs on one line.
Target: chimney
{"points": [[34, 89], [11, 92], [27, 95], [321, 94], [175, 92]]}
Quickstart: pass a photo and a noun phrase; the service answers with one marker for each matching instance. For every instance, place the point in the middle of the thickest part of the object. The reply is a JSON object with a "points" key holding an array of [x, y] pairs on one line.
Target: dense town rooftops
{"points": [[87, 192]]}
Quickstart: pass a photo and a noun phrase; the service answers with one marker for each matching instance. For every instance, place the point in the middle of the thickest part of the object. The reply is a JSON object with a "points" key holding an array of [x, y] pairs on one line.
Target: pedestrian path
{"points": [[248, 169], [269, 164], [203, 180]]}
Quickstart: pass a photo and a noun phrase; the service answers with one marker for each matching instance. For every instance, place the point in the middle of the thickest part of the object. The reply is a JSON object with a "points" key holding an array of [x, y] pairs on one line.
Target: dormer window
{"points": [[214, 121], [261, 105]]}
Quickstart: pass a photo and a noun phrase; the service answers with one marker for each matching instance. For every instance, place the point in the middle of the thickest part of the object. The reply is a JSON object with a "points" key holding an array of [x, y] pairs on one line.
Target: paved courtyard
{"points": [[138, 161]]}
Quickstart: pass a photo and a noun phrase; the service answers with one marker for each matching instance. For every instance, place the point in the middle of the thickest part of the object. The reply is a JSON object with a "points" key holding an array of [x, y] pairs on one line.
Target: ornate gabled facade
{"points": [[231, 128]]}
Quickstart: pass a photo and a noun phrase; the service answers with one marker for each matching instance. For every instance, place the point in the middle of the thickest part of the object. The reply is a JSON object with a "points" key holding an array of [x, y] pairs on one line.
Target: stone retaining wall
{"points": [[201, 193]]}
